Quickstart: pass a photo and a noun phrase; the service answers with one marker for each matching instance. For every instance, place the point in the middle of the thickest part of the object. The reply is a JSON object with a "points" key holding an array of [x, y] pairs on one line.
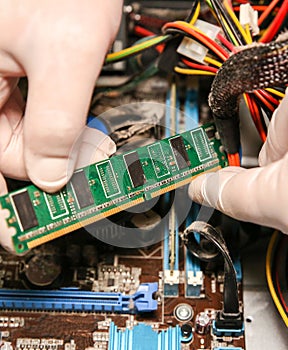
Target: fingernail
{"points": [[50, 174]]}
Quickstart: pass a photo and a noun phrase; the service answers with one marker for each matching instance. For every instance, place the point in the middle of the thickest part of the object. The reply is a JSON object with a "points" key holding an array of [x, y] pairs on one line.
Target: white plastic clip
{"points": [[249, 16], [191, 48]]}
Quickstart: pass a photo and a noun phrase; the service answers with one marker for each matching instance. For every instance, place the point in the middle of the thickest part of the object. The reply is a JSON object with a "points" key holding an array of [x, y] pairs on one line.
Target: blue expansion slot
{"points": [[191, 109], [194, 276], [143, 337], [171, 275], [171, 240], [67, 300], [193, 273]]}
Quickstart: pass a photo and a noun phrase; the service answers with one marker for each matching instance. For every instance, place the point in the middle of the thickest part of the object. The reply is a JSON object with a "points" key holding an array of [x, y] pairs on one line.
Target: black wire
{"points": [[230, 293], [219, 18], [193, 9], [233, 28], [170, 57], [132, 54], [129, 84], [262, 107]]}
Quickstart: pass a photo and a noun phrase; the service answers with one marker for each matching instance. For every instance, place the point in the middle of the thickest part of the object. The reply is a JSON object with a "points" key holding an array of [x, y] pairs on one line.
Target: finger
{"points": [[55, 121], [276, 144], [11, 138], [95, 146], [3, 186], [257, 195], [7, 232], [206, 188]]}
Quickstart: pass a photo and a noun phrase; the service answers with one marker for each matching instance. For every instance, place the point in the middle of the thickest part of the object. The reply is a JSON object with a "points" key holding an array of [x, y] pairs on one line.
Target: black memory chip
{"points": [[25, 210], [180, 152], [135, 169], [81, 189]]}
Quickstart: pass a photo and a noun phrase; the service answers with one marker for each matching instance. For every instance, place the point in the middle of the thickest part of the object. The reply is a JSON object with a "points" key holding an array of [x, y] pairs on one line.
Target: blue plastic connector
{"points": [[97, 123], [228, 332], [71, 300], [144, 297]]}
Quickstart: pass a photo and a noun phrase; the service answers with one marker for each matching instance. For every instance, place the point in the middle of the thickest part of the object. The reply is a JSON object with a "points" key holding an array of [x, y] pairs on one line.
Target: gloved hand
{"points": [[257, 195], [60, 46]]}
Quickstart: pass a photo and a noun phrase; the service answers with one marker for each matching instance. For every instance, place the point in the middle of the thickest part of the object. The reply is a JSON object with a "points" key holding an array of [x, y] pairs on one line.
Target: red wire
{"points": [[267, 11], [269, 97], [199, 66], [280, 251], [144, 33], [212, 45], [259, 8], [262, 132], [280, 292], [226, 42], [234, 159], [263, 100], [242, 1], [256, 117], [149, 21], [276, 23]]}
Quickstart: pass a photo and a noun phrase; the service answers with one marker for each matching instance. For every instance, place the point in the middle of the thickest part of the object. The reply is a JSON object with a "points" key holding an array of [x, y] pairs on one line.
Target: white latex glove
{"points": [[60, 46], [257, 195]]}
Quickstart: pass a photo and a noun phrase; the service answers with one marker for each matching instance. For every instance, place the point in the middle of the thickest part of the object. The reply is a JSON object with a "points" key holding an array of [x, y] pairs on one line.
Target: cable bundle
{"points": [[261, 102]]}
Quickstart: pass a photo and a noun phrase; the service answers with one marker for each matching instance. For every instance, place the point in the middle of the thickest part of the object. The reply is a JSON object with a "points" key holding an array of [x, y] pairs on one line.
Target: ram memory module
{"points": [[30, 217]]}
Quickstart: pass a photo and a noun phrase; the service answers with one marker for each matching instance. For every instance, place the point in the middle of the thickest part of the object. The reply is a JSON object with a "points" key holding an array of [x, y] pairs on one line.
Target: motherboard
{"points": [[105, 263], [80, 293]]}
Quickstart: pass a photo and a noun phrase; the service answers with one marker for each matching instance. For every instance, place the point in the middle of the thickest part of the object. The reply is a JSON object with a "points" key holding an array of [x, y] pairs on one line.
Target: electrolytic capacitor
{"points": [[202, 323]]}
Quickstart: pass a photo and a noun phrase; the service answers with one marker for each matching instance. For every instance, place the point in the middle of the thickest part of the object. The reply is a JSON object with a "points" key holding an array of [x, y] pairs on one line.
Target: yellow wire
{"points": [[275, 92], [245, 99], [136, 48], [196, 14], [139, 47], [210, 60], [236, 21], [270, 252], [192, 71], [247, 30], [147, 43], [232, 36]]}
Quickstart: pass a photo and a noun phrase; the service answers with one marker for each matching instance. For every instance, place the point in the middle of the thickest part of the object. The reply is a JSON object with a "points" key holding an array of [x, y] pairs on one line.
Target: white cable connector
{"points": [[249, 16], [191, 48]]}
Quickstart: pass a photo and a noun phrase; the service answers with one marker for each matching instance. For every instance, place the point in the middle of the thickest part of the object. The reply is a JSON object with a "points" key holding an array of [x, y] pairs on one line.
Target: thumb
{"points": [[3, 186], [62, 66], [257, 195], [95, 146], [54, 122]]}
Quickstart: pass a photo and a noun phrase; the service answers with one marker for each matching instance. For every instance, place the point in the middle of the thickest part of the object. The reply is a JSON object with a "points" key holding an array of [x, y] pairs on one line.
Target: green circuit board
{"points": [[110, 186]]}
